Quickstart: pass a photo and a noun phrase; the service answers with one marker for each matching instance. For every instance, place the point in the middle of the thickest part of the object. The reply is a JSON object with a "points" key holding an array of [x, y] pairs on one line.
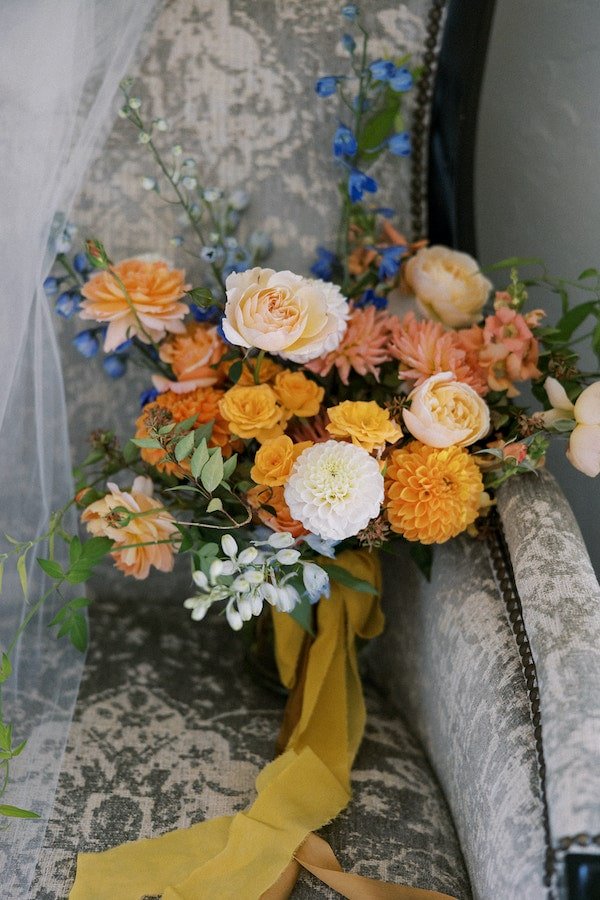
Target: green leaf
{"points": [[201, 296], [342, 576], [74, 550], [229, 466], [422, 555], [215, 505], [596, 340], [379, 127], [199, 459], [574, 318], [93, 550], [50, 567], [203, 432], [186, 424], [78, 632], [130, 453], [17, 813], [1, 573], [212, 472], [209, 549], [22, 572], [184, 447], [5, 667], [588, 273], [146, 443], [235, 371], [16, 751], [512, 262], [563, 426]]}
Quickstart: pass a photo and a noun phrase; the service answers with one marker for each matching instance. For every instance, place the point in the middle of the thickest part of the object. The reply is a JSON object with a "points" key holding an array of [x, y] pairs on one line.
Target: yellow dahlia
{"points": [[366, 423], [432, 494]]}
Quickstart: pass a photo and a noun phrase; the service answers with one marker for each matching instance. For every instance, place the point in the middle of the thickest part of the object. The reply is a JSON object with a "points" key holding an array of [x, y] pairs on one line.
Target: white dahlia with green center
{"points": [[334, 489]]}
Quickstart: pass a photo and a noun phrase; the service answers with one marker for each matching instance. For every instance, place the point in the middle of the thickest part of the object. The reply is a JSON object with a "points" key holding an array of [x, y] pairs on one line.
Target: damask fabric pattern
{"points": [[234, 79], [561, 611], [448, 658], [170, 730]]}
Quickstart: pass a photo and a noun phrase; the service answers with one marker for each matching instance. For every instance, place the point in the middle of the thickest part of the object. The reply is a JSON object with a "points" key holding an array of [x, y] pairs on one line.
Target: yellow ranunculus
{"points": [[253, 412], [299, 395], [366, 423], [273, 462]]}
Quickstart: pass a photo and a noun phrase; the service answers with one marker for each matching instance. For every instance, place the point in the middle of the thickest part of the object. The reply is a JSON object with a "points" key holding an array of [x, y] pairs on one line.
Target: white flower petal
{"points": [[229, 545], [280, 539], [247, 556], [316, 581], [584, 449], [288, 557], [587, 405], [557, 394], [200, 579], [233, 617]]}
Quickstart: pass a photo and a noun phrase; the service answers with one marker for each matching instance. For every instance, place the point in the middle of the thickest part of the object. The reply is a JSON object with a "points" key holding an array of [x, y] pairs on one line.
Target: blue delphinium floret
{"points": [[360, 183], [349, 11], [389, 264], [382, 70], [401, 80], [370, 298], [348, 43], [324, 263], [67, 304], [114, 365], [87, 343], [327, 85], [81, 264], [399, 144], [148, 396], [344, 142], [50, 286], [213, 255], [205, 313]]}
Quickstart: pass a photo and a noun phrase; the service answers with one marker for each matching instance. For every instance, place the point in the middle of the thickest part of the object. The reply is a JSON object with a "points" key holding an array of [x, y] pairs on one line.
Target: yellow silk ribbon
{"points": [[257, 853]]}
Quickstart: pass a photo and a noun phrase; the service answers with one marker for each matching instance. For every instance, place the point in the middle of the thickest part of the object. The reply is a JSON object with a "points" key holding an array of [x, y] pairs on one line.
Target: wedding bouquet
{"points": [[290, 419]]}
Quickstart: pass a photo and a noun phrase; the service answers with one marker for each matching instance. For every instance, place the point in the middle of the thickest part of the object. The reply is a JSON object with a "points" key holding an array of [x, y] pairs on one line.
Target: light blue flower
{"points": [[401, 81], [399, 144], [67, 304], [213, 255], [344, 142], [114, 365], [349, 11], [50, 286], [148, 396], [391, 258], [327, 85], [86, 343], [359, 183], [319, 545], [382, 70], [81, 264], [324, 263], [348, 43], [316, 582]]}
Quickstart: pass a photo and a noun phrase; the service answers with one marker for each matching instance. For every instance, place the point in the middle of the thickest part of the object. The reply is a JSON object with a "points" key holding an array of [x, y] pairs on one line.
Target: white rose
{"points": [[584, 441], [448, 285], [446, 413], [296, 318]]}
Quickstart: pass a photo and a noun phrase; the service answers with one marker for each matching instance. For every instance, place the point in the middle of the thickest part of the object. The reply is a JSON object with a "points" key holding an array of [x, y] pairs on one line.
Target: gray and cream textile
{"points": [[170, 729], [561, 611]]}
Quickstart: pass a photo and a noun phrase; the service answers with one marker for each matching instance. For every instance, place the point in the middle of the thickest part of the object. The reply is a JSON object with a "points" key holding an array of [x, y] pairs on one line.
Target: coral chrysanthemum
{"points": [[147, 539], [363, 347], [425, 348], [202, 402], [431, 494], [151, 308]]}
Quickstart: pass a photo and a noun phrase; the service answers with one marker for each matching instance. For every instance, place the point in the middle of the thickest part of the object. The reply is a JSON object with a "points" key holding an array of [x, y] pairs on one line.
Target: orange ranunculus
{"points": [[432, 494], [366, 423], [298, 394], [193, 356], [274, 460], [203, 402], [151, 527], [278, 516], [151, 308]]}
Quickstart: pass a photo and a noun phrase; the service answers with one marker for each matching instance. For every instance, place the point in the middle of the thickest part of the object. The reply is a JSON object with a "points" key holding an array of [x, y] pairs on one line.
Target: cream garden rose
{"points": [[296, 318], [448, 285], [446, 413], [584, 440]]}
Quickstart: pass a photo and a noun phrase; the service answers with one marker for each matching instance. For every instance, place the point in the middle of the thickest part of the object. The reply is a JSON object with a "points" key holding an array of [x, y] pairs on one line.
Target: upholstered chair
{"points": [[479, 774]]}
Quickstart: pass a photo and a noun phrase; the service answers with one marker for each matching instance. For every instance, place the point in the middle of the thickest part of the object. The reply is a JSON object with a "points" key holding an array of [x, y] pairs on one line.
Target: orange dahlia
{"points": [[203, 402], [151, 309], [432, 495]]}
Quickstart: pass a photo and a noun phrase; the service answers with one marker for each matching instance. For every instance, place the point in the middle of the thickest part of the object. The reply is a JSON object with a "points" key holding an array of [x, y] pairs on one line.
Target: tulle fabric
{"points": [[60, 65]]}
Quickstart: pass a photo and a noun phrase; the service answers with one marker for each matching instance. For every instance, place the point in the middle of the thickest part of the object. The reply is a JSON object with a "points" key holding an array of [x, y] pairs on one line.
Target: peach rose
{"points": [[367, 424], [274, 460], [299, 394], [193, 356], [294, 317], [151, 309], [584, 440], [151, 527], [448, 285], [253, 412], [446, 413]]}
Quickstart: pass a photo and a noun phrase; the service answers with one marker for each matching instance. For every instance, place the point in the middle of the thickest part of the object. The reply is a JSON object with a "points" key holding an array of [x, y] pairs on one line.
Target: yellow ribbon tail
{"points": [[257, 854]]}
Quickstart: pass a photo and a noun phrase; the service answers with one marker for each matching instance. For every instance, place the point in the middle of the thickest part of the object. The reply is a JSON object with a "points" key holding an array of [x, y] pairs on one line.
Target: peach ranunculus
{"points": [[153, 306], [509, 351], [193, 356], [445, 413], [448, 285], [363, 348], [151, 527], [298, 394], [277, 516], [201, 402], [584, 440], [366, 423], [253, 412], [274, 460], [296, 318]]}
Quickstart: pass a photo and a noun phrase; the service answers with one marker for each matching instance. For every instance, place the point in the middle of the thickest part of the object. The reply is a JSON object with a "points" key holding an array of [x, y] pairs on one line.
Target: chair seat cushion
{"points": [[170, 729]]}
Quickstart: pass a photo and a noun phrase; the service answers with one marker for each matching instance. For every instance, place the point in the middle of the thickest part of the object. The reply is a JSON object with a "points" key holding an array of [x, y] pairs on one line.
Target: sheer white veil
{"points": [[60, 65]]}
